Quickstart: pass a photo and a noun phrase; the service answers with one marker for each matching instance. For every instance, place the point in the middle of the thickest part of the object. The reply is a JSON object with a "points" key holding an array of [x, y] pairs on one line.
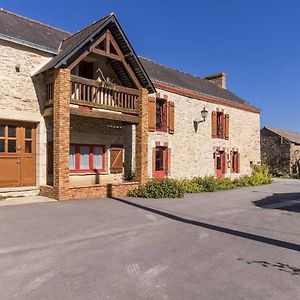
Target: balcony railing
{"points": [[103, 95]]}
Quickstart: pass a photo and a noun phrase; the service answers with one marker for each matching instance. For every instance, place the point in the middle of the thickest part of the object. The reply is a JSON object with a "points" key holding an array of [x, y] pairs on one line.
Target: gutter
{"points": [[28, 44]]}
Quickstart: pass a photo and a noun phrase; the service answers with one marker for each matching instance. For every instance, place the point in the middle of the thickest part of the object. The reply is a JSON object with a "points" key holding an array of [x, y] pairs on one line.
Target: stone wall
{"points": [[192, 151], [20, 94], [275, 152], [295, 158]]}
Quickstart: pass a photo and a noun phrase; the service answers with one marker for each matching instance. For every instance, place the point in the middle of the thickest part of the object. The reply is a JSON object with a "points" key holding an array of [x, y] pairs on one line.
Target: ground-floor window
{"points": [[87, 158]]}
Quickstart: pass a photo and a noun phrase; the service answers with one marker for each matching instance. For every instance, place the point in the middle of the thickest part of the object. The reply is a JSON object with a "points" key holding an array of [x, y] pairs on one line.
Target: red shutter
{"points": [[168, 173], [214, 124], [152, 113], [116, 160], [237, 163], [171, 117], [227, 126]]}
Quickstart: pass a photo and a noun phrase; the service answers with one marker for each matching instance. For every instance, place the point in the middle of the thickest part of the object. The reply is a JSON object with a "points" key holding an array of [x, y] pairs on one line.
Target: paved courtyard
{"points": [[241, 244]]}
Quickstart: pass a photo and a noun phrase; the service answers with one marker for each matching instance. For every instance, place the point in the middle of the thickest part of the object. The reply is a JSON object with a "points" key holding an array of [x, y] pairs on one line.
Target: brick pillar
{"points": [[141, 155], [61, 133]]}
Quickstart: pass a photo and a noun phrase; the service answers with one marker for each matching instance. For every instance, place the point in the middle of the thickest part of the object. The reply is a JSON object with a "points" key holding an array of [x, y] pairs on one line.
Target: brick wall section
{"points": [[100, 191], [141, 159], [61, 132]]}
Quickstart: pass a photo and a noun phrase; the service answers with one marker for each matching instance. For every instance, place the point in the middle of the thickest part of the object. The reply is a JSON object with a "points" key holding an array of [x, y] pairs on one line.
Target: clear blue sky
{"points": [[255, 42]]}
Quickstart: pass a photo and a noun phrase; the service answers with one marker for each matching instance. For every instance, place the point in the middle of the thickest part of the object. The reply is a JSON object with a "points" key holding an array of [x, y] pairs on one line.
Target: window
{"points": [[8, 138], [159, 159], [86, 158], [220, 125], [235, 162], [161, 115], [85, 69]]}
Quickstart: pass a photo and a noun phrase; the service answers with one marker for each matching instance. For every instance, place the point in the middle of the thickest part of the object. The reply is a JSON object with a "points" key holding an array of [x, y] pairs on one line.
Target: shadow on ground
{"points": [[282, 201], [229, 231]]}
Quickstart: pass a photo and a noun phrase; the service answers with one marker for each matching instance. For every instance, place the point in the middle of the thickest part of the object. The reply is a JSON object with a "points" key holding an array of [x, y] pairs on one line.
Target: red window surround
{"points": [[91, 169]]}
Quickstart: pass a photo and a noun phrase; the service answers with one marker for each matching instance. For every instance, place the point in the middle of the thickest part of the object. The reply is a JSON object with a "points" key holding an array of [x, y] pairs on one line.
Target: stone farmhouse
{"points": [[280, 150], [81, 115]]}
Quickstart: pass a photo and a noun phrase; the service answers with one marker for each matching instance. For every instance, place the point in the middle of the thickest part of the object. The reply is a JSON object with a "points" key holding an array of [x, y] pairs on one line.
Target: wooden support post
{"points": [[141, 156]]}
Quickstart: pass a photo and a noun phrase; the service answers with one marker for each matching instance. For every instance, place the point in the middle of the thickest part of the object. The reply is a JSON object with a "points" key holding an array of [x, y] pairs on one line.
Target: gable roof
{"points": [[179, 79], [22, 29], [64, 44], [292, 136], [76, 42]]}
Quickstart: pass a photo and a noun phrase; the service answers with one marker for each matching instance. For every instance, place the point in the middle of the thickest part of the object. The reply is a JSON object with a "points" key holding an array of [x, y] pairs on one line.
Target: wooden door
{"points": [[17, 154], [220, 163], [160, 162]]}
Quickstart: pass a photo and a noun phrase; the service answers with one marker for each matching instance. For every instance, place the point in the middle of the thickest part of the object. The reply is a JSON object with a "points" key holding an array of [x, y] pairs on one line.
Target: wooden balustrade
{"points": [[103, 95]]}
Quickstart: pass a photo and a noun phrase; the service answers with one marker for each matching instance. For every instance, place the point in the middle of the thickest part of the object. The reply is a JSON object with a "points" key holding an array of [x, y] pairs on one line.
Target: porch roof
{"points": [[74, 43]]}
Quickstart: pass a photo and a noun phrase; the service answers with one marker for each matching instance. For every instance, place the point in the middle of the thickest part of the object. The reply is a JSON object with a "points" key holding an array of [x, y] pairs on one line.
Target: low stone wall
{"points": [[96, 191]]}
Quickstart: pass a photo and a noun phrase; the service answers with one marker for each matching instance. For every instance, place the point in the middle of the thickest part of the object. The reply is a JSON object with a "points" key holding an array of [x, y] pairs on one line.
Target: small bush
{"points": [[159, 188], [170, 188]]}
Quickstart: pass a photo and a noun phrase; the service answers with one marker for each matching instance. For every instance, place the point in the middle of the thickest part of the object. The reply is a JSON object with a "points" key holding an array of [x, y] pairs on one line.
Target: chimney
{"points": [[218, 79]]}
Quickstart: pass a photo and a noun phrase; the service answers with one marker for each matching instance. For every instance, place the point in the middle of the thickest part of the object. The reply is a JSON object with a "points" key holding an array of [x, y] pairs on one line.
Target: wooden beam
{"points": [[107, 107], [126, 65], [105, 115], [107, 42], [48, 111], [109, 55], [87, 52]]}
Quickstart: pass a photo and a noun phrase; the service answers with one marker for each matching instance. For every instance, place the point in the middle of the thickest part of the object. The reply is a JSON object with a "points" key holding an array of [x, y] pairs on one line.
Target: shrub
{"points": [[159, 188], [192, 185], [170, 188], [260, 175]]}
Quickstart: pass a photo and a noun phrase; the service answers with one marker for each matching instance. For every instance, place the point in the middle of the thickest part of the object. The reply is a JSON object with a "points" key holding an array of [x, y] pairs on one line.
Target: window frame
{"points": [[91, 170], [235, 162], [220, 126], [164, 115]]}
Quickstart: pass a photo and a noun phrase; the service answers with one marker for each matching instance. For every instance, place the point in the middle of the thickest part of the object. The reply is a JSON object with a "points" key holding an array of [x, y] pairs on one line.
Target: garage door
{"points": [[17, 154]]}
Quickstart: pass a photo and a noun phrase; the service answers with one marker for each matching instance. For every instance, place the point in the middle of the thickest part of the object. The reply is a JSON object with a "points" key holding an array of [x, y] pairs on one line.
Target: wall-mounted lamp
{"points": [[204, 114]]}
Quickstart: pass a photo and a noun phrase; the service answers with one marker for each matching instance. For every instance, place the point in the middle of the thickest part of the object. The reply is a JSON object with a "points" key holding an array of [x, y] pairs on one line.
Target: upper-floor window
{"points": [[220, 125], [161, 115]]}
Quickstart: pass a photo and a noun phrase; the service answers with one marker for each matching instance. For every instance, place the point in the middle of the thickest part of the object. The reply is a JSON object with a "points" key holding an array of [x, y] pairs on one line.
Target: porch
{"points": [[96, 110], [94, 132]]}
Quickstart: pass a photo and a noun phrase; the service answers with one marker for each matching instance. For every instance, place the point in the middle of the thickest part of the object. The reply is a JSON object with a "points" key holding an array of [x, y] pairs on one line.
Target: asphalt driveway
{"points": [[241, 244]]}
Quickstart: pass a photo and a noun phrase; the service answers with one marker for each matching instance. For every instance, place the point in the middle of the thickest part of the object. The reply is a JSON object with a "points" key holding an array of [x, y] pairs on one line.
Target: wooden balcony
{"points": [[103, 100]]}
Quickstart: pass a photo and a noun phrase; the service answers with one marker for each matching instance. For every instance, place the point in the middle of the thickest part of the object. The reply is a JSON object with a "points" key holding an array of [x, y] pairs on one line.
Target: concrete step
{"points": [[19, 191]]}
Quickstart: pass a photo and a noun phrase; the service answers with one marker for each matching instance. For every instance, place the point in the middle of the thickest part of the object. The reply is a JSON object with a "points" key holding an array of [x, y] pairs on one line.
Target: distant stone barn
{"points": [[280, 150]]}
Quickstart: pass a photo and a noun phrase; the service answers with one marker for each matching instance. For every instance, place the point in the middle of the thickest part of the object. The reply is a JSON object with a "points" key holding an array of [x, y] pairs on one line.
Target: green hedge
{"points": [[170, 188], [159, 188]]}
